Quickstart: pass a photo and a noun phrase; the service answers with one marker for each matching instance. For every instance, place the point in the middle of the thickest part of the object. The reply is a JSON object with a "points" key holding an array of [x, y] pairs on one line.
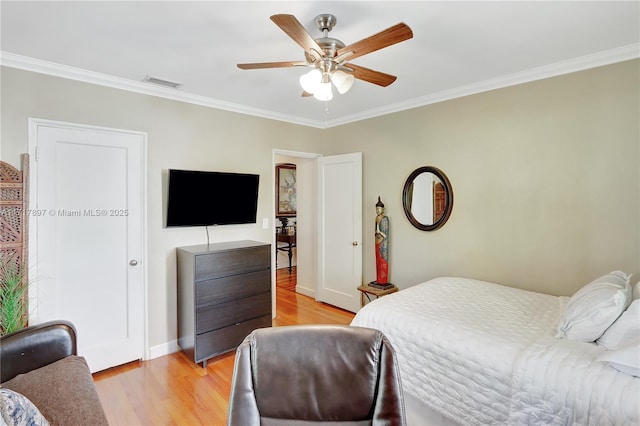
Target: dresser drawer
{"points": [[232, 262], [221, 315], [226, 339], [219, 290], [224, 292]]}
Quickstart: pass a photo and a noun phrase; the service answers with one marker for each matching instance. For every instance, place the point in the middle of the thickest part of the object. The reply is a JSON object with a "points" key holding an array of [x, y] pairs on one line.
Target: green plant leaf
{"points": [[13, 295]]}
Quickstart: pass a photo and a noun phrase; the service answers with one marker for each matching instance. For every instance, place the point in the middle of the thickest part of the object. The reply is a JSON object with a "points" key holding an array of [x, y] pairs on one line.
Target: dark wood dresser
{"points": [[224, 293]]}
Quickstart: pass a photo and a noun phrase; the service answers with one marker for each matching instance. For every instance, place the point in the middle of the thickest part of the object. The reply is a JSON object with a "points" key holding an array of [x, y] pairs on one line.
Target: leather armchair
{"points": [[35, 346], [41, 363], [316, 374]]}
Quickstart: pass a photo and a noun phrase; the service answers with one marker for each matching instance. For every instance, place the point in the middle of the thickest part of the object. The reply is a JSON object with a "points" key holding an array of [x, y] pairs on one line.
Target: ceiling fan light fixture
{"points": [[327, 56], [342, 80], [311, 80], [323, 92]]}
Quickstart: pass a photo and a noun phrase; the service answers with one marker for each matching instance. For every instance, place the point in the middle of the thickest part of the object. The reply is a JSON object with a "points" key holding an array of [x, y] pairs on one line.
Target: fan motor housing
{"points": [[326, 21], [329, 45]]}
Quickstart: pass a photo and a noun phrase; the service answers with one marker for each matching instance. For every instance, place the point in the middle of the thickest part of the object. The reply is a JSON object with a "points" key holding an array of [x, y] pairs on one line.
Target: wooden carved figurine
{"points": [[382, 245]]}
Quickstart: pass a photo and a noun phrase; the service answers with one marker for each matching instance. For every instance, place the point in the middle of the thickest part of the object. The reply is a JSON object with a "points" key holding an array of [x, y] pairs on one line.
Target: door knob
{"points": [[133, 262], [355, 243]]}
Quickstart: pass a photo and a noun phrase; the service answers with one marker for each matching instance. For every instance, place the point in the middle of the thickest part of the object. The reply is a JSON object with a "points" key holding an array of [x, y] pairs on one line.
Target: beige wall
{"points": [[180, 135], [546, 175], [546, 181]]}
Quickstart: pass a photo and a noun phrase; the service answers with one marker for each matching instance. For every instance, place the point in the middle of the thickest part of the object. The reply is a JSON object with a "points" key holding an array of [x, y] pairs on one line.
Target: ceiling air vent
{"points": [[161, 82]]}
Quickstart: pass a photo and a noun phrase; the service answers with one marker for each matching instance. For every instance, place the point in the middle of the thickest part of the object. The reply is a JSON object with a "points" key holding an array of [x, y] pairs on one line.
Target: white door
{"points": [[87, 207], [340, 230]]}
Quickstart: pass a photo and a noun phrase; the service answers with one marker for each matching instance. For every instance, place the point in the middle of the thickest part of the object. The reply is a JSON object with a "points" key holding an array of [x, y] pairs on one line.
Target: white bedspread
{"points": [[559, 382], [481, 353]]}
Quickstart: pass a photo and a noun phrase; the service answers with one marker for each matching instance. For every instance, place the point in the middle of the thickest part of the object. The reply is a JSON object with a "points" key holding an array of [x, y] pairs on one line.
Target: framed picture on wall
{"points": [[286, 196]]}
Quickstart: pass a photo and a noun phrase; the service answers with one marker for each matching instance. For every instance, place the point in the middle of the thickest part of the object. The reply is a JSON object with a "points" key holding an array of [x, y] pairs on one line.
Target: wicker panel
{"points": [[12, 256], [9, 174], [11, 224], [13, 216], [11, 193]]}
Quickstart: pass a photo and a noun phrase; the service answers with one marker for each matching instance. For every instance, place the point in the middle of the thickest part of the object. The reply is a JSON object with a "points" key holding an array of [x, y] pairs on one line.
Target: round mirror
{"points": [[427, 198]]}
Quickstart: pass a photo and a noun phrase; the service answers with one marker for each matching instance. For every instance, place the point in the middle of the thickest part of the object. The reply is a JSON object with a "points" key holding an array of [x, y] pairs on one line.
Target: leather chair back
{"points": [[36, 346], [315, 374]]}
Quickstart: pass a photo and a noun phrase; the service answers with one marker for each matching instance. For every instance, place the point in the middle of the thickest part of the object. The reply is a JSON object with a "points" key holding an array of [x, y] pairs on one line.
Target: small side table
{"points": [[367, 290]]}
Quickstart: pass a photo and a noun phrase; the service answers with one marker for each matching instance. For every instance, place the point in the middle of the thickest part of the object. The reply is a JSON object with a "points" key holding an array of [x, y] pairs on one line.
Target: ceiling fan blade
{"points": [[294, 29], [260, 65], [371, 76], [306, 94], [388, 37]]}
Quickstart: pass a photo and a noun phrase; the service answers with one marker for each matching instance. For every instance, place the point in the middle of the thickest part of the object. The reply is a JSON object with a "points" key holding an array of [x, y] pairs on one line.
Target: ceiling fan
{"points": [[327, 56]]}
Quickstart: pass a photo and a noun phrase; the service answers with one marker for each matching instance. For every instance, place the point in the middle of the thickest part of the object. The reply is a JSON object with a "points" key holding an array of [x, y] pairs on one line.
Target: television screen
{"points": [[199, 198]]}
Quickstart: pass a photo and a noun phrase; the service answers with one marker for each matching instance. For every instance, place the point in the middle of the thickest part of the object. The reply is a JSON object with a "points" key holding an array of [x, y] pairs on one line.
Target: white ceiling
{"points": [[458, 48]]}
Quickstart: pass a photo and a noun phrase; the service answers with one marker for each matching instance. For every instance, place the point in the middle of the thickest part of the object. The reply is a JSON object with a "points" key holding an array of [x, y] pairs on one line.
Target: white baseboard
{"points": [[306, 291], [163, 349]]}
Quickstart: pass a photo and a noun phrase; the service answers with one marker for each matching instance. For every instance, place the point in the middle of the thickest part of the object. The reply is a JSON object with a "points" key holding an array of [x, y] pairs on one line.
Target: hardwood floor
{"points": [[294, 308], [172, 390]]}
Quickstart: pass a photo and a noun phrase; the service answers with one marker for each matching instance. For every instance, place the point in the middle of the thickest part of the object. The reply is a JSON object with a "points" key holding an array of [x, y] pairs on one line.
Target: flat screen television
{"points": [[201, 198]]}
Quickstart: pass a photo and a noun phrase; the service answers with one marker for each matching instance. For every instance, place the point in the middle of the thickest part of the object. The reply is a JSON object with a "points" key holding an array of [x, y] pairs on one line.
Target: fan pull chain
{"points": [[326, 114]]}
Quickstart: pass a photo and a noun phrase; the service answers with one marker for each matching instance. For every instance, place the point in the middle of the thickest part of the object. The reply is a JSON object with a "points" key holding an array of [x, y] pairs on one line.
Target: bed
{"points": [[476, 353]]}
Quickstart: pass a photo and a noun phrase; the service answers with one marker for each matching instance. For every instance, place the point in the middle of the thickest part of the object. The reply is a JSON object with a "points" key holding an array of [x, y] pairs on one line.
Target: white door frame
{"points": [[34, 123]]}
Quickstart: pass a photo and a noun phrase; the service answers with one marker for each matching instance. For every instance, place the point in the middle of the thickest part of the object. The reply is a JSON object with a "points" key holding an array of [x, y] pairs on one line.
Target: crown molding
{"points": [[581, 63], [27, 63]]}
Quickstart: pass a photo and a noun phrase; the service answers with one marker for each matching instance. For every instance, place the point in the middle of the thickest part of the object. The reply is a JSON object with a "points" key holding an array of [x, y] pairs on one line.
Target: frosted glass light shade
{"points": [[342, 80], [323, 92], [311, 80]]}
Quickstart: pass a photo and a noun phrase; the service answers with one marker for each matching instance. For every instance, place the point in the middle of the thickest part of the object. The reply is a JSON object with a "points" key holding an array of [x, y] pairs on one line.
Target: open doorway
{"points": [[295, 225], [328, 258], [286, 207]]}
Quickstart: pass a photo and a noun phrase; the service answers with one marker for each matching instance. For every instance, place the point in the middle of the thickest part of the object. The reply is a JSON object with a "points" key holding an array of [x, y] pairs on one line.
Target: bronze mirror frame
{"points": [[448, 193]]}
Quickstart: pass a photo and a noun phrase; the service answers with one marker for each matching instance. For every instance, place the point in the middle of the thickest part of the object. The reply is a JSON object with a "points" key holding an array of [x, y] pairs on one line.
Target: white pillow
{"points": [[636, 291], [625, 359], [17, 410], [624, 329], [593, 308]]}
